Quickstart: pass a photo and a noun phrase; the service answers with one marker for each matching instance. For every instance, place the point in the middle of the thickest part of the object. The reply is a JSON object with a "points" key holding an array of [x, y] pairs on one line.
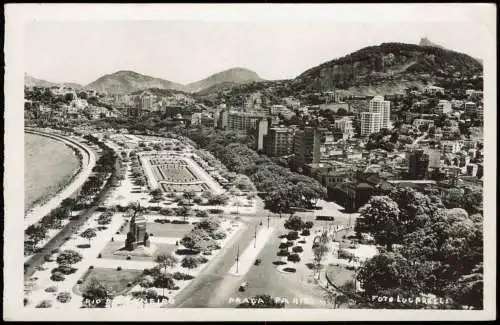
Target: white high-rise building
{"points": [[370, 123], [383, 107]]}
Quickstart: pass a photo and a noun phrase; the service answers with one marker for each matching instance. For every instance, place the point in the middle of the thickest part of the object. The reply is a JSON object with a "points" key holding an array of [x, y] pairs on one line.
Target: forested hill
{"points": [[389, 68]]}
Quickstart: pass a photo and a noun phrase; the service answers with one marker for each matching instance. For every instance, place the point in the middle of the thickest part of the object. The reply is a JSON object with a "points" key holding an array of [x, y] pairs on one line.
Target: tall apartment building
{"points": [[278, 142], [443, 107], [345, 127], [306, 146], [145, 101], [470, 107], [370, 123], [222, 119], [383, 107], [243, 121], [261, 130], [418, 163]]}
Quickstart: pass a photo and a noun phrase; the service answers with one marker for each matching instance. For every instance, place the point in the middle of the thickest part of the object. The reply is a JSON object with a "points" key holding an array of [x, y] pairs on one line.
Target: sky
{"points": [[187, 51]]}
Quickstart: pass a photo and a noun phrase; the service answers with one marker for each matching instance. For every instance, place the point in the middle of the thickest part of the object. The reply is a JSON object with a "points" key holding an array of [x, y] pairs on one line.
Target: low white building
{"points": [[433, 90], [451, 146]]}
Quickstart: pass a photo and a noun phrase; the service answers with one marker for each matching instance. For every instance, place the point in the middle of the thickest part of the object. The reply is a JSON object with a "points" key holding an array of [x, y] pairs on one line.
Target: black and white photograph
{"points": [[250, 161]]}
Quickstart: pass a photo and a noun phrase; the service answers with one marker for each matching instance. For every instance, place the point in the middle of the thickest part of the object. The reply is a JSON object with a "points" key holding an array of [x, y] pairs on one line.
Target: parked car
{"points": [[258, 261], [243, 286]]}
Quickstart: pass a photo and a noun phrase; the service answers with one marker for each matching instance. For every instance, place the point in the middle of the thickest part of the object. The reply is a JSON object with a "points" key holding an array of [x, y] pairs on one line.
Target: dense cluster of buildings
{"points": [[327, 141]]}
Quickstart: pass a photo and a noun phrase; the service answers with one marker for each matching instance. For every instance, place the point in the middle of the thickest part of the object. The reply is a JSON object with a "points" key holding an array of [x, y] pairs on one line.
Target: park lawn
{"points": [[339, 275], [112, 246], [116, 280], [169, 229], [165, 229]]}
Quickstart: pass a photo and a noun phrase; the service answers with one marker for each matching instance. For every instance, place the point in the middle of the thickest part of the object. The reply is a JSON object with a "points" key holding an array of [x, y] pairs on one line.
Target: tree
{"points": [[319, 252], [391, 272], [145, 295], [190, 262], [88, 234], [57, 276], [468, 291], [36, 232], [184, 212], [202, 214], [64, 297], [294, 223], [164, 281], [68, 257], [189, 195], [380, 217], [105, 218], [166, 261], [96, 294]]}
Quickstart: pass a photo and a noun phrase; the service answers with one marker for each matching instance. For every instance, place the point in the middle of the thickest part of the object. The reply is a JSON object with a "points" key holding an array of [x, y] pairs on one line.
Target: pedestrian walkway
{"points": [[247, 258]]}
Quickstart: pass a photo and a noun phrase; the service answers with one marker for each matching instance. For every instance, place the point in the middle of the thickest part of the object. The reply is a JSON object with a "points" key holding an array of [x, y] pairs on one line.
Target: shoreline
{"points": [[61, 185], [87, 160]]}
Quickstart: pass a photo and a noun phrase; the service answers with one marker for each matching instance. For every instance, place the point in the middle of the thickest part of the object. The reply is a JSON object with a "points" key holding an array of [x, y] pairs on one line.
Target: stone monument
{"points": [[137, 231]]}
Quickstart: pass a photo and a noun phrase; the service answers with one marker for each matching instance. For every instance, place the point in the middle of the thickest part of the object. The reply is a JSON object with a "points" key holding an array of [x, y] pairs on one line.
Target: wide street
{"points": [[215, 287]]}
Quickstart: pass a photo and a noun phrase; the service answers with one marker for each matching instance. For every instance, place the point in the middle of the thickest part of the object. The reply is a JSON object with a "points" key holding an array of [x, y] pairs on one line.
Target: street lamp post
{"points": [[255, 238], [237, 257]]}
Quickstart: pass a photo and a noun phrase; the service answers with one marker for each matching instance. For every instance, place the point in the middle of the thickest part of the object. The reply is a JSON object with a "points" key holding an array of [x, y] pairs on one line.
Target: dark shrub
{"points": [[180, 222], [91, 267], [283, 245], [305, 232], [292, 235], [294, 258], [64, 269], [283, 253], [51, 289], [119, 268], [279, 263], [45, 304], [302, 241], [64, 297], [202, 259], [289, 269], [308, 224], [79, 282], [99, 255], [182, 276], [297, 249], [55, 251], [129, 257], [25, 301]]}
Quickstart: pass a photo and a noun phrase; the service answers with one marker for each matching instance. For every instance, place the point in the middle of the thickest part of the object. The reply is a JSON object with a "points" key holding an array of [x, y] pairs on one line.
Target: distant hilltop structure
{"points": [[424, 41]]}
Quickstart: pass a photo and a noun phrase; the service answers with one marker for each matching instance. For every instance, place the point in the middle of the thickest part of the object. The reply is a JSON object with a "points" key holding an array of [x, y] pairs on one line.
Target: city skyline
{"points": [[207, 48]]}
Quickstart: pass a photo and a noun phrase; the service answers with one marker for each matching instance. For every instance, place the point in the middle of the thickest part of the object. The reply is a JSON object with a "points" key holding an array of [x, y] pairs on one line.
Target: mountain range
{"points": [[384, 68], [32, 81]]}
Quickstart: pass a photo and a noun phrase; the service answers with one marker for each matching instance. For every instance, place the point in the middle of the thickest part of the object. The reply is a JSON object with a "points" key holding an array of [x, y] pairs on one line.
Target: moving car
{"points": [[243, 286]]}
